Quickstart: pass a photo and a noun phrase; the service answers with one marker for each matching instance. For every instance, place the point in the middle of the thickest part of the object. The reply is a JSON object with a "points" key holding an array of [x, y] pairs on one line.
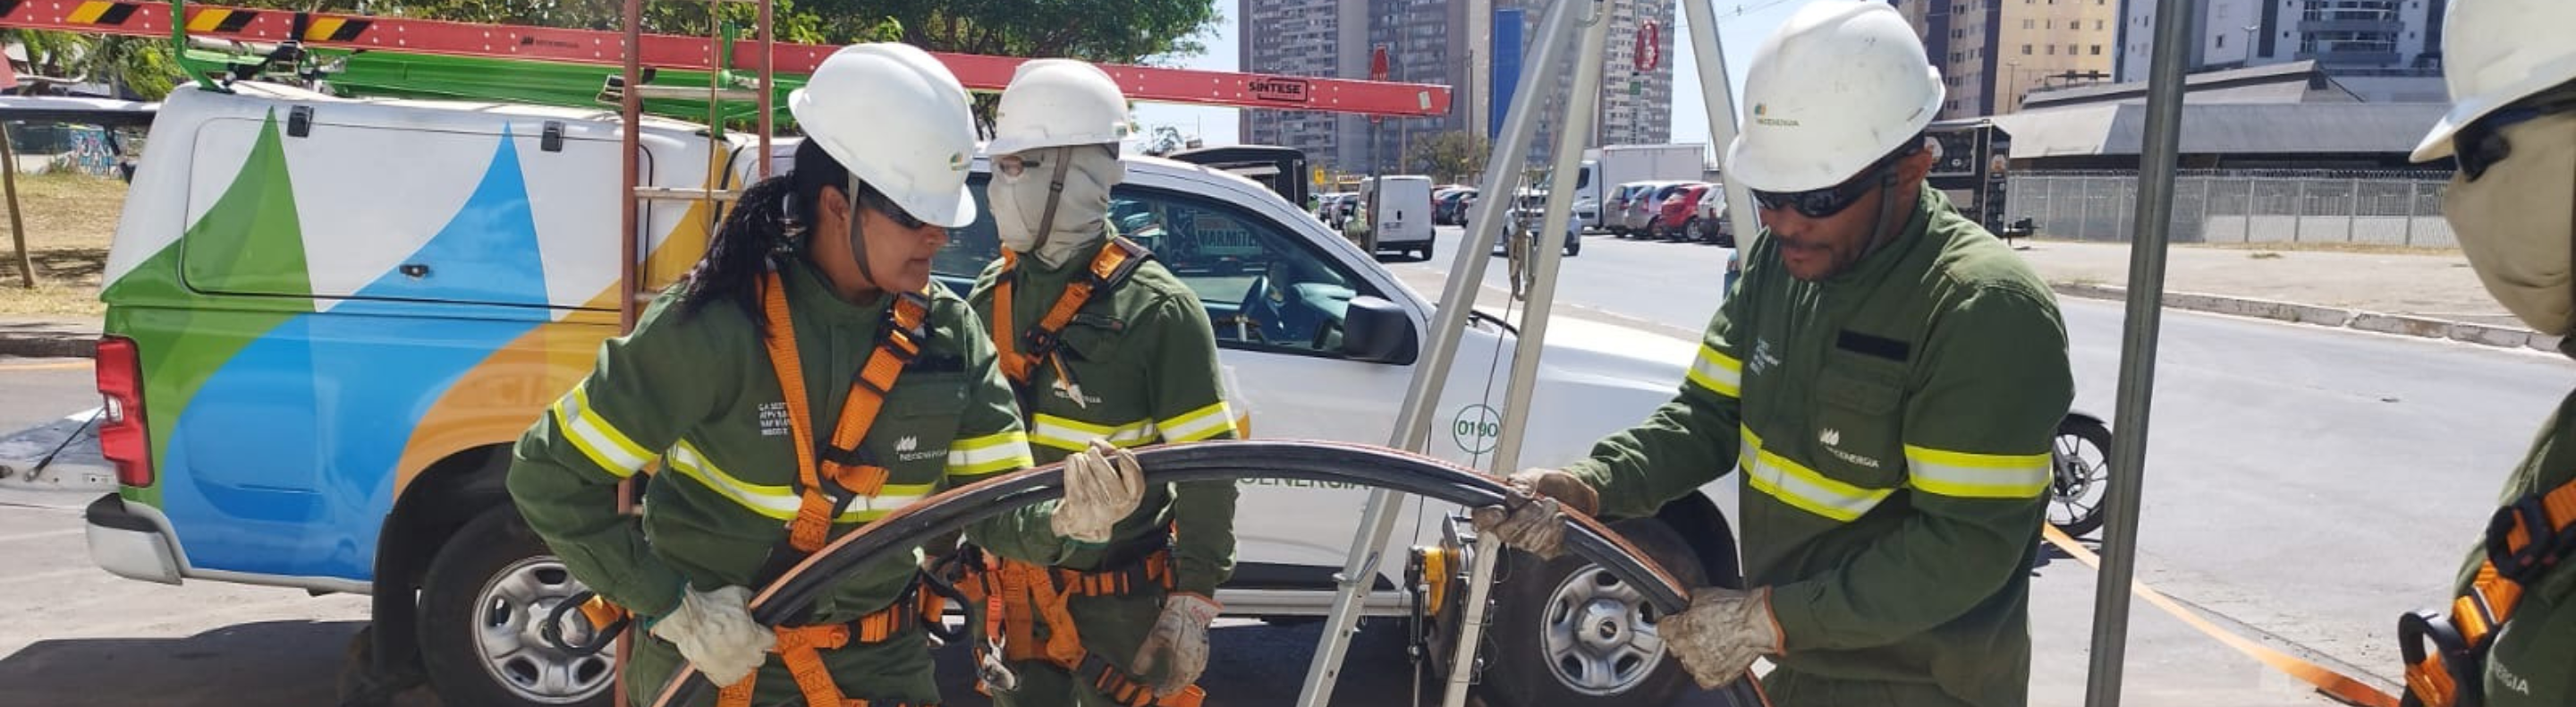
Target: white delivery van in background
{"points": [[1400, 206]]}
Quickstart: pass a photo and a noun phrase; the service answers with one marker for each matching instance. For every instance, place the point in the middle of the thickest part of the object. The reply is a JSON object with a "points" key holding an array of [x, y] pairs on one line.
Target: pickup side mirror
{"points": [[1378, 331]]}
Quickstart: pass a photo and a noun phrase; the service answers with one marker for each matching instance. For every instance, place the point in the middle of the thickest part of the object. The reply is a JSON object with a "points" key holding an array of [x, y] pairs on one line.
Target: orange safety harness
{"points": [[2524, 540], [1016, 595], [1107, 271], [827, 482]]}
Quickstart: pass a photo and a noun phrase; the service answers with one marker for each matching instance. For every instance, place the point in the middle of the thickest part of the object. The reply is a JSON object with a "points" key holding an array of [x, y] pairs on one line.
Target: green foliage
{"points": [[1455, 157]]}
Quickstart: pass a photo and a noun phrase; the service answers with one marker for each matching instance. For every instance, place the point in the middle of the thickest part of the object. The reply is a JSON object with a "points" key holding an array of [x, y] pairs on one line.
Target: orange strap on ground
{"points": [[2333, 684]]}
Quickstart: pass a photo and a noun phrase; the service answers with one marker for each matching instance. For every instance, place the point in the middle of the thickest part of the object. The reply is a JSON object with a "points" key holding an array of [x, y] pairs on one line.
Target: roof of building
{"points": [[2294, 82], [2226, 128]]}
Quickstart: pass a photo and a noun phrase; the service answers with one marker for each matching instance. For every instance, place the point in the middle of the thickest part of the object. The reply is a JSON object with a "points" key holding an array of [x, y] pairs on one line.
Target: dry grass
{"points": [[69, 220]]}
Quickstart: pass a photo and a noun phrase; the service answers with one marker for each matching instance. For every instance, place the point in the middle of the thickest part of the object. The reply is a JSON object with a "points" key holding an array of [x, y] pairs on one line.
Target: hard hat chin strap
{"points": [[857, 234], [1063, 159]]}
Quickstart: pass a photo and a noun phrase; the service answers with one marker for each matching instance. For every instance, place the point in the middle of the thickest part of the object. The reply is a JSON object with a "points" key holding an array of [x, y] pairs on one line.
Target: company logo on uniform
{"points": [[907, 444], [1830, 436]]}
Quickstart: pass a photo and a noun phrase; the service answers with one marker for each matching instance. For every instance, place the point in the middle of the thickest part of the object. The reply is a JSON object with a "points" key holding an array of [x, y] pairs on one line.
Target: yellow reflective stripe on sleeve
{"points": [[602, 442], [1795, 484], [1075, 435], [780, 502], [1008, 451], [1199, 424], [1718, 372], [1968, 475]]}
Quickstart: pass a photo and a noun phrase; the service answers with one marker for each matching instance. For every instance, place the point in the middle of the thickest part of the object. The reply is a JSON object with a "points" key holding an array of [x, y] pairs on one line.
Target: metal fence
{"points": [[2396, 208]]}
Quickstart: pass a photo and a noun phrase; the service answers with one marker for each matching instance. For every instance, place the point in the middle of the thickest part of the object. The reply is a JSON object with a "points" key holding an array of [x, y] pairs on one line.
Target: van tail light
{"points": [[122, 435]]}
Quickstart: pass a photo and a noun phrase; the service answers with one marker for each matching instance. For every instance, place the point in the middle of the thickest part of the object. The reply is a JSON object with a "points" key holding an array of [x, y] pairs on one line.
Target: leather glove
{"points": [[1179, 641], [1721, 633], [715, 632], [1101, 486], [1537, 526]]}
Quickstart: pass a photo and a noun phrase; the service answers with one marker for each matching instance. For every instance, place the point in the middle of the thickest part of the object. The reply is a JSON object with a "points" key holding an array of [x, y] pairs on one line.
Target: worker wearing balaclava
{"points": [[1105, 348]]}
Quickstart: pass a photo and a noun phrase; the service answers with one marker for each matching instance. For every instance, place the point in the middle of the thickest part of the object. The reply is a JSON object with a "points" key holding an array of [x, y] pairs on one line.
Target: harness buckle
{"points": [[2542, 545], [2446, 674], [1042, 343]]}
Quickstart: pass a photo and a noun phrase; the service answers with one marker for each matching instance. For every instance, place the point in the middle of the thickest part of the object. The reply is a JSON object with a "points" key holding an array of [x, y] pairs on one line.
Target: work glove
{"points": [[1721, 633], [1535, 523], [1179, 642], [715, 632], [1101, 485]]}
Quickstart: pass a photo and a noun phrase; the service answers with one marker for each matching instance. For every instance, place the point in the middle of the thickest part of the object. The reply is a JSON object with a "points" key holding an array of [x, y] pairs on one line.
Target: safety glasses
{"points": [[1014, 165], [2482, 144], [1824, 203], [879, 203]]}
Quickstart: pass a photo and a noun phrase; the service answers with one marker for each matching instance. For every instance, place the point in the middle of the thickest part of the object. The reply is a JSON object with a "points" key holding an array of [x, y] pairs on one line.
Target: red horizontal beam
{"points": [[977, 72]]}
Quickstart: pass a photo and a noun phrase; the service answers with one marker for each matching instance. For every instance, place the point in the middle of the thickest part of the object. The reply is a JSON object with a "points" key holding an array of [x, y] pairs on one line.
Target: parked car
{"points": [[1639, 217], [1680, 213], [1713, 226], [1612, 213], [1525, 215], [1452, 206]]}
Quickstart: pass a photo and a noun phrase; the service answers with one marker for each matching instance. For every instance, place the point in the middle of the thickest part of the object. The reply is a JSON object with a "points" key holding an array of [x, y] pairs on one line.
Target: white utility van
{"points": [[1400, 206]]}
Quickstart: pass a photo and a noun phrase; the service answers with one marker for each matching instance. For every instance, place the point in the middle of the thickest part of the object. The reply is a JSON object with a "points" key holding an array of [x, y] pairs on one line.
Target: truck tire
{"points": [[1564, 630], [481, 604]]}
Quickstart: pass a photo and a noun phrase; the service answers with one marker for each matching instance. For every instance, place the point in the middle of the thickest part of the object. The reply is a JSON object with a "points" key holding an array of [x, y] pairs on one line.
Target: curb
{"points": [[48, 342], [2402, 325]]}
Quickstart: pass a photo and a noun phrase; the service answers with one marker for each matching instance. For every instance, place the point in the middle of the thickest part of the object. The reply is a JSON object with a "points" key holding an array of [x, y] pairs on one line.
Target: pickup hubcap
{"points": [[1600, 637], [514, 605]]}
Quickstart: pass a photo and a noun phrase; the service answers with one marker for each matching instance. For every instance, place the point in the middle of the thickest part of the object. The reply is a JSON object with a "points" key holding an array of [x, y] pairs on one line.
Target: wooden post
{"points": [[17, 223]]}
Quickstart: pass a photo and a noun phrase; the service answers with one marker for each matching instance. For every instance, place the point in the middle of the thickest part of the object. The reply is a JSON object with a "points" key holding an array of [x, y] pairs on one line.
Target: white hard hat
{"points": [[2496, 52], [1058, 103], [1841, 85], [898, 120]]}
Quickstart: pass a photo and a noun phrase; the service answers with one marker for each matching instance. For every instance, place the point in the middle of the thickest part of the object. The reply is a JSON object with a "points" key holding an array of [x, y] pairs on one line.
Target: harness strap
{"points": [[851, 474], [801, 649], [1106, 272], [2524, 540], [1017, 594]]}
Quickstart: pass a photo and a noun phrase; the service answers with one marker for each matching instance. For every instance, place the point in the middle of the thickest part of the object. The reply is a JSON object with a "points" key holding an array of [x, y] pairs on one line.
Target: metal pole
{"points": [[17, 224], [768, 85], [1548, 252], [630, 274], [1457, 302], [1717, 88], [2163, 142]]}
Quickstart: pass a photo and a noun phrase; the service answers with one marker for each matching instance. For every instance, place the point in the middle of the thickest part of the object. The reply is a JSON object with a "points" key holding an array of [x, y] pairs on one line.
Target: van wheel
{"points": [[486, 595], [1426, 251], [1569, 633]]}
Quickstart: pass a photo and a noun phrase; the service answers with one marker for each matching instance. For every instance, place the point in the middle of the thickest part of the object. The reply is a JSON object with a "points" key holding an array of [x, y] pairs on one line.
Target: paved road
{"points": [[2302, 483]]}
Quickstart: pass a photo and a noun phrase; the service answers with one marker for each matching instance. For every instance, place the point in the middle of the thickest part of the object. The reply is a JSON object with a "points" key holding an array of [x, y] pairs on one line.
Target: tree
{"points": [[1456, 156]]}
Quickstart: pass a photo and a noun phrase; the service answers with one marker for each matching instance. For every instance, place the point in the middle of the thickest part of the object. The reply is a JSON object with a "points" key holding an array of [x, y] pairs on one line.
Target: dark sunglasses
{"points": [[880, 204], [1826, 202], [2481, 143]]}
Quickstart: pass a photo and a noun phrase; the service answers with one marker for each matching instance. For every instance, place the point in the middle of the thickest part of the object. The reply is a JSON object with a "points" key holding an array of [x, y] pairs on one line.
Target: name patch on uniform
{"points": [[1869, 345], [773, 419]]}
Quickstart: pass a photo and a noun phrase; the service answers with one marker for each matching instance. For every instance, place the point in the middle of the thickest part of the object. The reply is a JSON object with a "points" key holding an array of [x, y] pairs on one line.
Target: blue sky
{"points": [[1742, 25]]}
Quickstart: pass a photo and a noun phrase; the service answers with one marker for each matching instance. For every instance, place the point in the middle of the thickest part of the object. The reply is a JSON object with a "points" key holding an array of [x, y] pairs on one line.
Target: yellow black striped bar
{"points": [[219, 19], [335, 29]]}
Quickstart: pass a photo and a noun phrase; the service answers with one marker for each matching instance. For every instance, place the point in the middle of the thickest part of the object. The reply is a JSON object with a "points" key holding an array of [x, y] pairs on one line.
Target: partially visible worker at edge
{"points": [[1887, 375], [746, 380], [1100, 340], [2512, 127]]}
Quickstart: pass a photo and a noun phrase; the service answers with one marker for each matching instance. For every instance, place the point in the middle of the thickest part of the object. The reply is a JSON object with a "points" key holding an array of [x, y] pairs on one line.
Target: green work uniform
{"points": [[1893, 424], [1143, 359], [696, 390], [2532, 661]]}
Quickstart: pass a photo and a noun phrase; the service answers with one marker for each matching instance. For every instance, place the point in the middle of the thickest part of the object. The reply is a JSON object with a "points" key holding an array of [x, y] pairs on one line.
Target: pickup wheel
{"points": [[1569, 633], [482, 603]]}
